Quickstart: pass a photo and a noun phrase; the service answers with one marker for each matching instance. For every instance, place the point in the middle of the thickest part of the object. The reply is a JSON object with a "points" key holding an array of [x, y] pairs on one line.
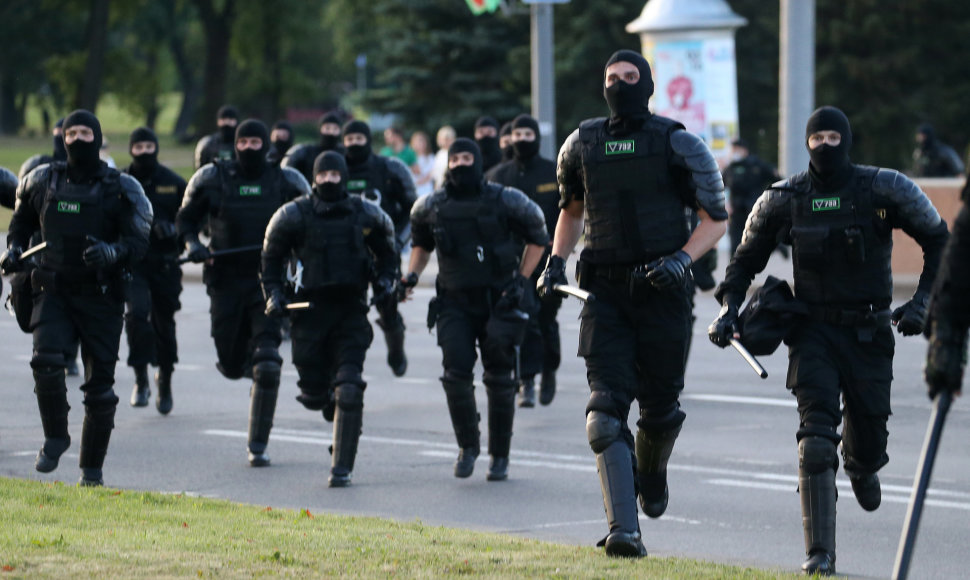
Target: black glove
{"points": [[100, 254], [196, 252], [10, 260], [725, 326], [945, 359], [669, 271], [512, 293], [384, 291], [405, 284], [276, 304], [910, 318], [554, 275], [163, 230]]}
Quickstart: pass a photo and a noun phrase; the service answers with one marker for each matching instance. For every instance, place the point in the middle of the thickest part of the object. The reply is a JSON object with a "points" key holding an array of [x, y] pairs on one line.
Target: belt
{"points": [[863, 316], [616, 273]]}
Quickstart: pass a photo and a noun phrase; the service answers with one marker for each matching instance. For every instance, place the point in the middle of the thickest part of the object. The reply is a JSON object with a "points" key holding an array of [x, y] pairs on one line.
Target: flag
{"points": [[482, 6]]}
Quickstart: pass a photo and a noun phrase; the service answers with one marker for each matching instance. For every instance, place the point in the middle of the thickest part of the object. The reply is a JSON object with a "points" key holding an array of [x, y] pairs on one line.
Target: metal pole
{"points": [[796, 98], [543, 78]]}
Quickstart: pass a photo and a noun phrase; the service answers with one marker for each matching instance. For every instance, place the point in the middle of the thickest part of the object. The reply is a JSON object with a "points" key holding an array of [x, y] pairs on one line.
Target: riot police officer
{"points": [[59, 154], [8, 188], [281, 139], [156, 281], [949, 310], [839, 218], [932, 157], [535, 176], [472, 226], [505, 142], [628, 180], [387, 182], [744, 178], [219, 145], [487, 137], [238, 198], [338, 239], [95, 222], [301, 157]]}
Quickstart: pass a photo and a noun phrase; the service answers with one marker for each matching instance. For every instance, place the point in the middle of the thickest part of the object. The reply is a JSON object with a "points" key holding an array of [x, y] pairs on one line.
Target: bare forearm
{"points": [[705, 236], [419, 260], [530, 259], [569, 228]]}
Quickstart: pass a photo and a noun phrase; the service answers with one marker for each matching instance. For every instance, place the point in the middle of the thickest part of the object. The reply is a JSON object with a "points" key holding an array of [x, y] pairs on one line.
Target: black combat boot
{"points": [[394, 337], [867, 490], [262, 406], [501, 412], [653, 449], [615, 467], [346, 433], [141, 392], [527, 392], [460, 393], [51, 394], [816, 486], [163, 380], [95, 435], [547, 388]]}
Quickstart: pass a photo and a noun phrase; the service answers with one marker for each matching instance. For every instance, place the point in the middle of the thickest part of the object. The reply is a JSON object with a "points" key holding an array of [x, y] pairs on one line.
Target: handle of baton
{"points": [[574, 292], [299, 306], [749, 358]]}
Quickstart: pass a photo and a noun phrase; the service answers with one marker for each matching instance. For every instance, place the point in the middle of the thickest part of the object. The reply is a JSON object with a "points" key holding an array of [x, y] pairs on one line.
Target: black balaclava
{"points": [[628, 101], [508, 152], [929, 136], [526, 150], [252, 161], [330, 161], [142, 166], [830, 167], [464, 179], [226, 133], [83, 158], [357, 154], [60, 153], [329, 142], [282, 146], [490, 150]]}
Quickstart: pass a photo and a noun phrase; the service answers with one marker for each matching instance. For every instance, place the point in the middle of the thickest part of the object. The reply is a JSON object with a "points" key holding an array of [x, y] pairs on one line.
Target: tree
{"points": [[89, 87], [217, 28]]}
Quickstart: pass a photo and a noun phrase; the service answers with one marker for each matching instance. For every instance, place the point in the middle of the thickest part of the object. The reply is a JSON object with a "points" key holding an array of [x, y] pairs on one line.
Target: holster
{"points": [[434, 310], [21, 299]]}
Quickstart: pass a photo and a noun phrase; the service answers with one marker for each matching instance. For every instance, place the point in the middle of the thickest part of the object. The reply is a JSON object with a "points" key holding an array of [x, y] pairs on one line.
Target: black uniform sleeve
{"points": [[137, 223], [525, 217], [8, 188], [202, 155], [31, 164], [406, 191], [381, 242], [951, 161], [770, 216], [422, 235], [908, 208], [569, 170], [26, 214], [295, 184], [704, 178], [952, 287], [297, 157], [195, 203], [283, 233]]}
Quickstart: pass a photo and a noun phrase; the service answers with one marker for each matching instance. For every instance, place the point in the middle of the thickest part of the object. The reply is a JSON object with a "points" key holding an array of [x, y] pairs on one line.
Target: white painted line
{"points": [[523, 462], [414, 381], [769, 401], [788, 488]]}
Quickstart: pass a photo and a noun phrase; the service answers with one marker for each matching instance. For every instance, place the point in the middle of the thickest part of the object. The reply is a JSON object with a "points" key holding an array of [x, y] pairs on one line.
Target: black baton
{"points": [[299, 306], [227, 252], [574, 292], [749, 358], [34, 250]]}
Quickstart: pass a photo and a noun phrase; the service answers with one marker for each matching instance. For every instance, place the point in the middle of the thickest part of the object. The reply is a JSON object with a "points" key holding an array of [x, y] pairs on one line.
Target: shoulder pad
{"points": [[397, 167], [424, 206], [594, 123], [205, 176], [40, 175], [693, 149], [7, 178], [296, 180], [33, 162], [800, 183], [902, 192], [665, 124], [130, 186]]}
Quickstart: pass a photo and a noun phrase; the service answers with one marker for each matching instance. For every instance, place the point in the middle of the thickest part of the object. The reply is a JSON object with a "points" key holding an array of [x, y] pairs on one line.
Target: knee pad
{"points": [[267, 374], [103, 401], [456, 380], [350, 397], [42, 359], [602, 430], [819, 428], [267, 353], [666, 418], [602, 401], [349, 375], [499, 383], [816, 454], [48, 379]]}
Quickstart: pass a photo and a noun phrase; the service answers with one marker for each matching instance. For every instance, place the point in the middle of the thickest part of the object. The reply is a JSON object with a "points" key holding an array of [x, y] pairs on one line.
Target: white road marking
{"points": [[903, 499]]}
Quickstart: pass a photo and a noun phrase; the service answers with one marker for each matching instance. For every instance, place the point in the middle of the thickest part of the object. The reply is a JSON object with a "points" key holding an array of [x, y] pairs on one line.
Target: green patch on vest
{"points": [[250, 190], [68, 207], [356, 184], [826, 204], [620, 147]]}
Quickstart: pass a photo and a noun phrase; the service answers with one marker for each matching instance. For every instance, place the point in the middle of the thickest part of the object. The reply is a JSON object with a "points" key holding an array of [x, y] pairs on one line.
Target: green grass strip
{"points": [[53, 530]]}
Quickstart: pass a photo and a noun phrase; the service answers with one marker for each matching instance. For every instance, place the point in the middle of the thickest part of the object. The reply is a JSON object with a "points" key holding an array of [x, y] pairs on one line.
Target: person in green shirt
{"points": [[397, 146]]}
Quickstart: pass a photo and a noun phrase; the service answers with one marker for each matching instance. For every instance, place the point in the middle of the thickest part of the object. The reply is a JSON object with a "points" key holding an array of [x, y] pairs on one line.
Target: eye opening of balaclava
{"points": [[464, 179], [525, 150], [508, 152], [328, 142], [829, 166], [227, 133], [252, 161], [626, 100], [357, 154], [488, 146], [143, 165], [83, 157], [330, 161], [282, 145]]}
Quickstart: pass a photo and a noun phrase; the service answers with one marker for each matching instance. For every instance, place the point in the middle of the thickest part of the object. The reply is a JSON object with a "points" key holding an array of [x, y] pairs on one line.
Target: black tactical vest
{"points": [[333, 251], [842, 246], [370, 180], [70, 213], [474, 243], [634, 211], [165, 201], [245, 207]]}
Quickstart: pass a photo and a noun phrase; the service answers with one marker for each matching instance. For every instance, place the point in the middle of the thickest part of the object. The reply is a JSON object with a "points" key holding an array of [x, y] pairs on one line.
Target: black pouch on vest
{"points": [[434, 309], [21, 299]]}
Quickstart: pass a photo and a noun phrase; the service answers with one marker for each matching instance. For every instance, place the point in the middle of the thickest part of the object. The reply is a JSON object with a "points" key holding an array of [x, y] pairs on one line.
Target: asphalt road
{"points": [[732, 476]]}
